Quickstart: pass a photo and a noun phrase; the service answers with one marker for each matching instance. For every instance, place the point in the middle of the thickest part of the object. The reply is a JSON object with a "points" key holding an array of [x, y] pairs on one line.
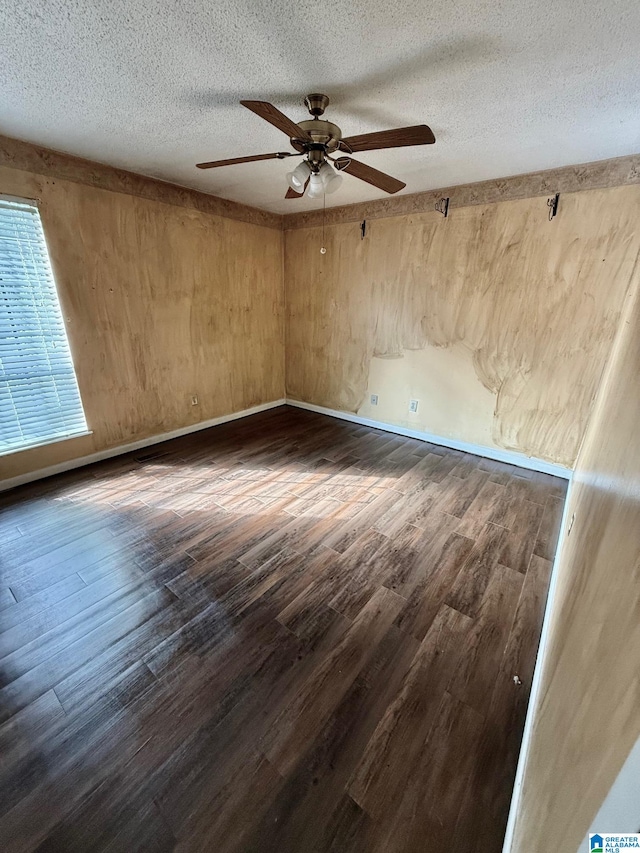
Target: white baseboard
{"points": [[508, 456], [534, 696], [70, 464]]}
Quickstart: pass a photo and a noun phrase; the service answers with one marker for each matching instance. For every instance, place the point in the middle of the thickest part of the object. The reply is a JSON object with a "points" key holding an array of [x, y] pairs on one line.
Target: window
{"points": [[39, 396]]}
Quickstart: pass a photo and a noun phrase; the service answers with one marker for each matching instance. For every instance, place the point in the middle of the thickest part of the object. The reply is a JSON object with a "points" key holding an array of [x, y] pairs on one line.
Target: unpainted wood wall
{"points": [[587, 719], [161, 303], [497, 320]]}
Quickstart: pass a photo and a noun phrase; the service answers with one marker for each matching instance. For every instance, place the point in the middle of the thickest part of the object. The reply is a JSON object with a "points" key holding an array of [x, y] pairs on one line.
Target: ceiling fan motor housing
{"points": [[325, 137]]}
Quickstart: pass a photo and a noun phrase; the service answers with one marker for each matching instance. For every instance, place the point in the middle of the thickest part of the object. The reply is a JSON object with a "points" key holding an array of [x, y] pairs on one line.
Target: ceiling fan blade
{"points": [[369, 174], [290, 193], [280, 155], [273, 115], [421, 134]]}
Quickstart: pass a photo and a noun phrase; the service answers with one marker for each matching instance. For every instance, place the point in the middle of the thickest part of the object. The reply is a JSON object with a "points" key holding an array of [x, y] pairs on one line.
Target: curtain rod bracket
{"points": [[442, 207]]}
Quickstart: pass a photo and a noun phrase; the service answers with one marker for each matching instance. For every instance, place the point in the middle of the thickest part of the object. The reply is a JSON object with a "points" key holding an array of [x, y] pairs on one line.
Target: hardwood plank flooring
{"points": [[288, 633]]}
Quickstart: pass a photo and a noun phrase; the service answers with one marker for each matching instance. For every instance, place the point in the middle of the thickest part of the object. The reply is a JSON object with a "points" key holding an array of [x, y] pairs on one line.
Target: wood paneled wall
{"points": [[162, 302], [588, 716], [498, 321]]}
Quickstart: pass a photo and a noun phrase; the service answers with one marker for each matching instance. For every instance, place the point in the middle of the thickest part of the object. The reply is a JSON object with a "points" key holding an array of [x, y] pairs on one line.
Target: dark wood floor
{"points": [[289, 633]]}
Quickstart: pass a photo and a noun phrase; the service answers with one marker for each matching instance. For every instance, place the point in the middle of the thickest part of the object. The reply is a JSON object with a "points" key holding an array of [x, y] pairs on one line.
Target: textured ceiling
{"points": [[153, 85]]}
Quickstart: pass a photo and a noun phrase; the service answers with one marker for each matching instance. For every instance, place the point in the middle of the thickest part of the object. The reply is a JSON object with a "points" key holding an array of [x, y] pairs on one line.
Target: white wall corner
{"points": [[620, 811]]}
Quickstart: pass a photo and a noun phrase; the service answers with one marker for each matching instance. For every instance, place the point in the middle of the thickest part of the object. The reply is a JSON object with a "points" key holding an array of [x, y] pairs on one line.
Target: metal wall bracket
{"points": [[442, 207], [552, 204]]}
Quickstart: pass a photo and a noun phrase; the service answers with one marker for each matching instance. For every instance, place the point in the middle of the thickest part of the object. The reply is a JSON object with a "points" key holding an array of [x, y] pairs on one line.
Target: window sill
{"points": [[56, 440]]}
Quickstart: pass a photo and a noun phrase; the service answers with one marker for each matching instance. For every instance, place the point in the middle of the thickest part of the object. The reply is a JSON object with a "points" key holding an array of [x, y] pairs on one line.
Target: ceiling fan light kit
{"points": [[331, 179], [316, 139], [299, 177], [316, 187]]}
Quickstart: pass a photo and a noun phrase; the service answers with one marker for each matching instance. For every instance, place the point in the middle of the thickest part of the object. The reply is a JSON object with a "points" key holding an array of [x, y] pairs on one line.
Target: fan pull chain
{"points": [[323, 248]]}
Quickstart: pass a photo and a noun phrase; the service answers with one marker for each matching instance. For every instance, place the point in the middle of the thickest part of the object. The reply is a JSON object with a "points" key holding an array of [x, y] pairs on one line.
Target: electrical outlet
{"points": [[413, 405], [374, 399], [194, 400]]}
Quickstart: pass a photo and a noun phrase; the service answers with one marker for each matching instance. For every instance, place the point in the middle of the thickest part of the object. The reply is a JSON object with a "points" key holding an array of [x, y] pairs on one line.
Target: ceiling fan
{"points": [[317, 139]]}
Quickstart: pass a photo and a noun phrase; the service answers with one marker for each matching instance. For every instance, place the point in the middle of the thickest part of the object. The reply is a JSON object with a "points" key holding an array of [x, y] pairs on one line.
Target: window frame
{"points": [[54, 439]]}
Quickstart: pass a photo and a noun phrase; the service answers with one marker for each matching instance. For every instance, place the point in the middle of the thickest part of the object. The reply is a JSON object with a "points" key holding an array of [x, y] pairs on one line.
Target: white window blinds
{"points": [[39, 397]]}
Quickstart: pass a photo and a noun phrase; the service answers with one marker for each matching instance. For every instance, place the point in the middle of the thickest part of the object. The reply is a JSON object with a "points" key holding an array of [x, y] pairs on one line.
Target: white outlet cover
{"points": [[413, 405], [374, 399]]}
